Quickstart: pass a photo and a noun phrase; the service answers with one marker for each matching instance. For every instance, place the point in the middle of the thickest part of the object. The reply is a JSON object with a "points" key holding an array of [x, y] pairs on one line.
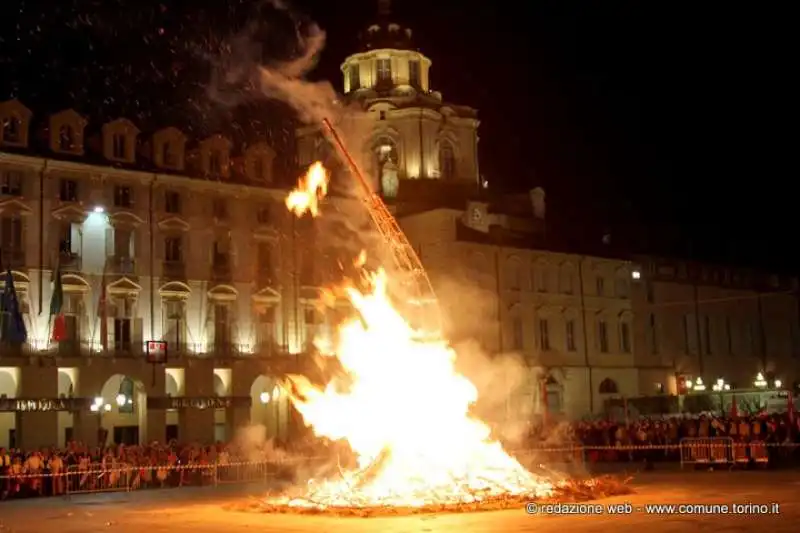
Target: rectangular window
{"points": [[172, 202], [122, 334], [214, 162], [544, 334], [119, 146], [355, 77], [600, 286], [167, 155], [602, 336], [625, 337], [414, 74], [11, 183], [384, 68], [123, 196], [173, 249], [571, 336], [68, 190]]}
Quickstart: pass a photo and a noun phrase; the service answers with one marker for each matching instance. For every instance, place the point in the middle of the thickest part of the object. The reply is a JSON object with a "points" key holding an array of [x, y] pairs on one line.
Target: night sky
{"points": [[659, 122]]}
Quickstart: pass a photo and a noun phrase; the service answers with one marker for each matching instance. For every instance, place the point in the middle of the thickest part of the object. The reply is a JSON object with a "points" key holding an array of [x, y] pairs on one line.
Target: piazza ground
{"points": [[201, 510]]}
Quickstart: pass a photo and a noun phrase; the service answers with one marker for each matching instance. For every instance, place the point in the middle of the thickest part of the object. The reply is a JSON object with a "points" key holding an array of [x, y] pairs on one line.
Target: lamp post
{"points": [[760, 382], [100, 406], [699, 386], [720, 386]]}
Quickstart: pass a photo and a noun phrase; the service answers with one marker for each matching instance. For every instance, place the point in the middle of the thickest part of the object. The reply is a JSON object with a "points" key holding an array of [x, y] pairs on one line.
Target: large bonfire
{"points": [[404, 411]]}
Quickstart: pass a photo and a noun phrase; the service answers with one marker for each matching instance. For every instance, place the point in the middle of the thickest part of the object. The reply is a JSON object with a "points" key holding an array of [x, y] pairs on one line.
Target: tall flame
{"points": [[310, 190], [405, 412]]}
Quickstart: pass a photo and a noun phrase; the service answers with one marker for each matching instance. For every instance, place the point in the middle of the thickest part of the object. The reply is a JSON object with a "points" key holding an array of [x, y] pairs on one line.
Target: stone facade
{"points": [[198, 252]]}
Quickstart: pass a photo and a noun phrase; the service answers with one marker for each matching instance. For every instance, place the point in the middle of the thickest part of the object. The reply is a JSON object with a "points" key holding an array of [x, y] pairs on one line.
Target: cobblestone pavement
{"points": [[201, 511]]}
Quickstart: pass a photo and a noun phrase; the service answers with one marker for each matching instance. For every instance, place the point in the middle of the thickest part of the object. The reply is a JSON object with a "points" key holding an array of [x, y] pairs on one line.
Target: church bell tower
{"points": [[412, 134]]}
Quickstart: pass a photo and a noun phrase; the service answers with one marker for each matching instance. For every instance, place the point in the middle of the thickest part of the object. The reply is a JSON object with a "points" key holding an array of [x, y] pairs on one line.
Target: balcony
{"points": [[221, 271], [69, 262], [124, 266], [173, 271]]}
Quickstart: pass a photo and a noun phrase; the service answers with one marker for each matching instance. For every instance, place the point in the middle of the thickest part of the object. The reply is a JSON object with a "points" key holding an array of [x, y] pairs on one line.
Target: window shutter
{"points": [[111, 330], [137, 335]]}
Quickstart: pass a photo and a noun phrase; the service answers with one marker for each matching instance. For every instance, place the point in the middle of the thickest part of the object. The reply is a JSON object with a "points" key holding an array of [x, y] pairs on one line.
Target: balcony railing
{"points": [[122, 265], [174, 270]]}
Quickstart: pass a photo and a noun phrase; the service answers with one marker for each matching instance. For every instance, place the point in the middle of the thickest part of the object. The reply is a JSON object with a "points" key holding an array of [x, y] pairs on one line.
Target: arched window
{"points": [[385, 163], [608, 386], [553, 396], [125, 397], [447, 161]]}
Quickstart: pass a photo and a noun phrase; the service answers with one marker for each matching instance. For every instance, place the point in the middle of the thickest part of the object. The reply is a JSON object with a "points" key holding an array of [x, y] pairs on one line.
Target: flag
{"points": [[59, 332], [13, 330], [102, 313]]}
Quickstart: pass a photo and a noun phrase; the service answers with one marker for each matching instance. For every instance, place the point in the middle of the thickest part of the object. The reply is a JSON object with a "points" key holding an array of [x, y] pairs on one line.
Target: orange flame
{"points": [[405, 412], [310, 190]]}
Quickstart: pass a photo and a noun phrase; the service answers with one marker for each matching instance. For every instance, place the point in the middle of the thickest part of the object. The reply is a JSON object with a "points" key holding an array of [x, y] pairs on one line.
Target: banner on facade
{"points": [[43, 405], [198, 402], [157, 352]]}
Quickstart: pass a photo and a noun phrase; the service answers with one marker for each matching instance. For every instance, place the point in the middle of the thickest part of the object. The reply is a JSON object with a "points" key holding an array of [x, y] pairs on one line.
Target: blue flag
{"points": [[14, 330]]}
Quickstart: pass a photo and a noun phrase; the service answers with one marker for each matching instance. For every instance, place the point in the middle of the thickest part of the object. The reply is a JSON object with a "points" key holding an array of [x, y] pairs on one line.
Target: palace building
{"points": [[190, 243]]}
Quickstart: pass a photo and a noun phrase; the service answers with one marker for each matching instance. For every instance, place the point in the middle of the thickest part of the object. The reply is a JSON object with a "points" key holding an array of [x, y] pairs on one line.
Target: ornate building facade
{"points": [[189, 242], [715, 322], [404, 130]]}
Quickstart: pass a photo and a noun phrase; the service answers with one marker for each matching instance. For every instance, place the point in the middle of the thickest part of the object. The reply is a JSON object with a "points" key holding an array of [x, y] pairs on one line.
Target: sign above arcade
{"points": [[43, 405], [199, 402]]}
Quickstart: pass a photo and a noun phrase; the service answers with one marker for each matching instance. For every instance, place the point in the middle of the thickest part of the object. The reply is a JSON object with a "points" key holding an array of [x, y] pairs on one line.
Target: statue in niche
{"points": [[389, 180]]}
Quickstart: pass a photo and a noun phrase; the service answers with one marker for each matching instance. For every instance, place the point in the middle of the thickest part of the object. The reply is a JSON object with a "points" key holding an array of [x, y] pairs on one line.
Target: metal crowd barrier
{"points": [[96, 477], [724, 451]]}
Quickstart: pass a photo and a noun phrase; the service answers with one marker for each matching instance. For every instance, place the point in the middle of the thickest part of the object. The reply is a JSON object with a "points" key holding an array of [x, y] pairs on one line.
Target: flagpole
{"points": [[97, 314]]}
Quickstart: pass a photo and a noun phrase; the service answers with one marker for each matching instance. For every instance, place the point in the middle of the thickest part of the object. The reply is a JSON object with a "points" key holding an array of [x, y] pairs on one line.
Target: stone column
{"points": [[85, 425], [196, 425], [156, 426], [237, 418], [38, 429]]}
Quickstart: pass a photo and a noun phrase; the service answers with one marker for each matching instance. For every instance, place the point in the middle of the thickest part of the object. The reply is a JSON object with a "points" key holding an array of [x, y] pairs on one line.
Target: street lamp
{"points": [[720, 385], [778, 383], [264, 398], [121, 400], [699, 385], [760, 382], [636, 274]]}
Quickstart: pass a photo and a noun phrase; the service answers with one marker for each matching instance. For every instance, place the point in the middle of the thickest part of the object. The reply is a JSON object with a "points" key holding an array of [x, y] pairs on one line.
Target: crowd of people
{"points": [[80, 468]]}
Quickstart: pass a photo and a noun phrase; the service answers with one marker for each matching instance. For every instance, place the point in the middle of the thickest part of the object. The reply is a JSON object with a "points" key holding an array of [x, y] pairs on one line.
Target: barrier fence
{"points": [[98, 477]]}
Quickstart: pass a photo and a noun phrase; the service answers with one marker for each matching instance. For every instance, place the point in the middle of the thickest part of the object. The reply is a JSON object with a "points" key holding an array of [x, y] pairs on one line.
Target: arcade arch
{"points": [[9, 380], [66, 420], [270, 407], [122, 409]]}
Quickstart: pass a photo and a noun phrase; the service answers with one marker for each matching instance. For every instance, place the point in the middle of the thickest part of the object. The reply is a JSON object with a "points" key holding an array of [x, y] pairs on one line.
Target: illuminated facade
{"points": [[407, 131], [715, 322], [198, 251], [568, 316]]}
